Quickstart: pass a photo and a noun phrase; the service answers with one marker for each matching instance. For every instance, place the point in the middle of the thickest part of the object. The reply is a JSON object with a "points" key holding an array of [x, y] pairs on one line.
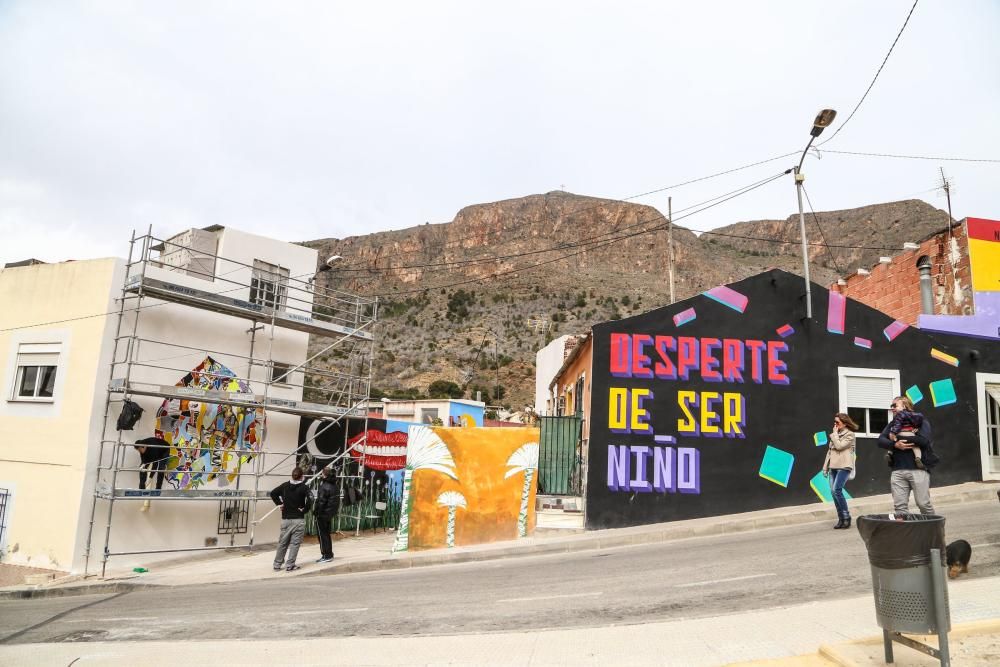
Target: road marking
{"points": [[984, 544], [553, 597], [123, 618], [723, 581], [325, 611]]}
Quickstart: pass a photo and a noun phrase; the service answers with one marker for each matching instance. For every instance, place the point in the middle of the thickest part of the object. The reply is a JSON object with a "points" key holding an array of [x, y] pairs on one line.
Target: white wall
{"points": [[548, 361]]}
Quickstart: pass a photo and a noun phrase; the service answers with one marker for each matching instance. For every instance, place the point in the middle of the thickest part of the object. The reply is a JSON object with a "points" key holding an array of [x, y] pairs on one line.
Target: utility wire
{"points": [[915, 157], [833, 255], [884, 61]]}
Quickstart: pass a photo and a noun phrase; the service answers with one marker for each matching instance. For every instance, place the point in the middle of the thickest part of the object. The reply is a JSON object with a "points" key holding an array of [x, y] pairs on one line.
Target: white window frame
{"points": [[35, 355], [268, 284], [843, 372], [987, 462], [284, 371], [433, 413]]}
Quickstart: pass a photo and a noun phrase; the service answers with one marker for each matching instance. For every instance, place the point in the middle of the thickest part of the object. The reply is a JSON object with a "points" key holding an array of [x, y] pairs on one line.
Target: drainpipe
{"points": [[926, 290]]}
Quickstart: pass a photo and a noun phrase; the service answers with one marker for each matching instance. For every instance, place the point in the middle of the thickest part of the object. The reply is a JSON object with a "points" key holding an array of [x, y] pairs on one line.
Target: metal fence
{"points": [[560, 456]]}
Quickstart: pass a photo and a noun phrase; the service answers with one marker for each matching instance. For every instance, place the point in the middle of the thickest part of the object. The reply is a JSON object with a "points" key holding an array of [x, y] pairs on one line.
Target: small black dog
{"points": [[958, 554]]}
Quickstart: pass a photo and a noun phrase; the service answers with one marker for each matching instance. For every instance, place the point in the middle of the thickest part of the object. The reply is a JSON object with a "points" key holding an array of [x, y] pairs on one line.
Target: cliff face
{"points": [[488, 289]]}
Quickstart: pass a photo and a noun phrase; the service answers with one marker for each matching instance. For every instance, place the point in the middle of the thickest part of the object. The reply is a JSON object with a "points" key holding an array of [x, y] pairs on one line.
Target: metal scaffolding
{"points": [[335, 382]]}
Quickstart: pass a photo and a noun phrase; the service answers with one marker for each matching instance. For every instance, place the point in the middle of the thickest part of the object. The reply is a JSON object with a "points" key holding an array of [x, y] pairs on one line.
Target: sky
{"points": [[304, 120]]}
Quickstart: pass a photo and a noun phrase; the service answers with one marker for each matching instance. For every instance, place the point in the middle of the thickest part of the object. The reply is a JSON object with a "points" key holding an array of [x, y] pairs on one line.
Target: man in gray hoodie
{"points": [[295, 499]]}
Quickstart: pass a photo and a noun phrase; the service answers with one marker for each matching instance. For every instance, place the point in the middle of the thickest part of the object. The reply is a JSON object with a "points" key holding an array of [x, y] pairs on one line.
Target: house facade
{"points": [[722, 403], [66, 316]]}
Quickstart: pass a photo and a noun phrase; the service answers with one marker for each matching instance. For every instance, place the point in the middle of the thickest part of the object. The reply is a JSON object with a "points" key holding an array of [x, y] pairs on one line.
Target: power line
{"points": [[884, 61], [915, 157], [836, 262]]}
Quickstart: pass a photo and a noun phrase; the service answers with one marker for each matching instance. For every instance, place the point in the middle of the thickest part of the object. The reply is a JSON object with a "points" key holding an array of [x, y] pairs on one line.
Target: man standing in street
{"points": [[294, 498], [327, 504], [906, 475]]}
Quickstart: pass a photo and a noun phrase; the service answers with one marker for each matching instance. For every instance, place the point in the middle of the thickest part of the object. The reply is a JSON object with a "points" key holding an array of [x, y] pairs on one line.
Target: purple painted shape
{"points": [[836, 313], [984, 324], [895, 329], [728, 297], [785, 331], [863, 342], [665, 439], [684, 317], [688, 470], [663, 469], [641, 482]]}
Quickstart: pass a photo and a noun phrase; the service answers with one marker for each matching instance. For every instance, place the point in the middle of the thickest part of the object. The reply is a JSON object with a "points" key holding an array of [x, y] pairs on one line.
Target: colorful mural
{"points": [[729, 411], [209, 443], [488, 473]]}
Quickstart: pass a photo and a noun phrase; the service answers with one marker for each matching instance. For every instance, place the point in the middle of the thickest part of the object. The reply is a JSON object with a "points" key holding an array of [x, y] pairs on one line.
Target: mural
{"points": [[729, 411], [487, 473], [209, 443], [984, 262]]}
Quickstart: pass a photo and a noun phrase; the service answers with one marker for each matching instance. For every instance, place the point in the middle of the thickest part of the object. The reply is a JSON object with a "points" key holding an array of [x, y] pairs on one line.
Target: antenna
{"points": [[946, 186]]}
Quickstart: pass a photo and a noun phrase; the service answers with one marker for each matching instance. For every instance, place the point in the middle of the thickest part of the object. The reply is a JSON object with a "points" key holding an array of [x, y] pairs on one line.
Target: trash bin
{"points": [[899, 551]]}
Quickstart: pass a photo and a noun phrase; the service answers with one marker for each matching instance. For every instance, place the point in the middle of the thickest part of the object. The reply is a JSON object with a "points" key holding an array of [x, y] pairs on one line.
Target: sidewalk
{"points": [[844, 631], [372, 551]]}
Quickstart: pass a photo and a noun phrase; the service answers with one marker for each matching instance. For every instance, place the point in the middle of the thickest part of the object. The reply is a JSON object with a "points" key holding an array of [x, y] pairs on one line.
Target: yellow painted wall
{"points": [[44, 446]]}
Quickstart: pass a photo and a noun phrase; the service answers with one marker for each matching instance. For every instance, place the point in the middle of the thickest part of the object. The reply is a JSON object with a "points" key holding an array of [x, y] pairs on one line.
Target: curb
{"points": [[592, 540]]}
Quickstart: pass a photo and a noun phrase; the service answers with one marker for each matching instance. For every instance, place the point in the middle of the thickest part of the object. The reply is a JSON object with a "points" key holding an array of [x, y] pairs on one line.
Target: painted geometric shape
{"points": [[820, 484], [863, 342], [665, 439], [728, 297], [785, 331], [836, 313], [895, 329], [776, 466], [944, 356], [943, 392], [684, 317], [820, 439], [914, 394]]}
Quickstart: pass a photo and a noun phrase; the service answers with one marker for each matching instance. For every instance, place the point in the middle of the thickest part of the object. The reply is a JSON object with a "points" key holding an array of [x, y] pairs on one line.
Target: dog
{"points": [[958, 554]]}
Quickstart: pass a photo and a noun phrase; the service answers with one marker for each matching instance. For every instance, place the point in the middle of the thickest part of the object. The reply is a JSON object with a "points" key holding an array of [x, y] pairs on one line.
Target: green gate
{"points": [[559, 456]]}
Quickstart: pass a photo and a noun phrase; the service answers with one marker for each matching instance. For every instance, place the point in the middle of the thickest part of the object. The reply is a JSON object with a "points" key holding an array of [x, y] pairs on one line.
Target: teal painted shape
{"points": [[820, 439], [914, 394], [943, 392], [776, 466], [820, 484]]}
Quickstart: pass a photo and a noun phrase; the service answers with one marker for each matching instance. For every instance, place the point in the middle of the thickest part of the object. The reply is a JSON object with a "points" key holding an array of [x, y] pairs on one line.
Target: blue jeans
{"points": [[838, 478]]}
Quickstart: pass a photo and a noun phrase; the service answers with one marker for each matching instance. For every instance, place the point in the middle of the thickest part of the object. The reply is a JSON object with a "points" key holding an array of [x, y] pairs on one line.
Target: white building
{"points": [[548, 361]]}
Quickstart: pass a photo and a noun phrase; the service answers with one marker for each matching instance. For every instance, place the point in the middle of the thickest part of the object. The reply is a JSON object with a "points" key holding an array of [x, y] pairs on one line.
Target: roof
{"points": [[571, 358]]}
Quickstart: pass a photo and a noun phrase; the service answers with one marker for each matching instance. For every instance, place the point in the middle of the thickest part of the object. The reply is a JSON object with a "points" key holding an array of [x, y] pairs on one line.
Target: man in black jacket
{"points": [[294, 498], [327, 504], [906, 475]]}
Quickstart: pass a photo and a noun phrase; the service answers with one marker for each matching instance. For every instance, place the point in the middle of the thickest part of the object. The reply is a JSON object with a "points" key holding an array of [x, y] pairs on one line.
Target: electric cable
{"points": [[833, 255], [916, 157]]}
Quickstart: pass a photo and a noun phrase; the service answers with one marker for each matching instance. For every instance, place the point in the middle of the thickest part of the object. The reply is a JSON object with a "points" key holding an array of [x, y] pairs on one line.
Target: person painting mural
{"points": [[839, 464]]}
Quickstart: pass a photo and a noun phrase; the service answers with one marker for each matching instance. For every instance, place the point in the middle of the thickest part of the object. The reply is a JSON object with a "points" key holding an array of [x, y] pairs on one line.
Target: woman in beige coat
{"points": [[839, 463]]}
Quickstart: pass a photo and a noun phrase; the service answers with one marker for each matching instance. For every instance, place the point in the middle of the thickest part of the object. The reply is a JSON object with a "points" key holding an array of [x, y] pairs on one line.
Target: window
{"points": [[993, 419], [280, 373], [428, 415], [268, 285], [865, 394], [35, 379], [578, 397]]}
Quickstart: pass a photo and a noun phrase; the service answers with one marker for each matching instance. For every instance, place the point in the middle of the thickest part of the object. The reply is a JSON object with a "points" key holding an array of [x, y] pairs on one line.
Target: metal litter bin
{"points": [[907, 557]]}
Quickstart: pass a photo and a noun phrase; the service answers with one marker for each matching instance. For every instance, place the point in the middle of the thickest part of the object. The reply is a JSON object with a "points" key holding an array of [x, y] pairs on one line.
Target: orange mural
{"points": [[468, 486]]}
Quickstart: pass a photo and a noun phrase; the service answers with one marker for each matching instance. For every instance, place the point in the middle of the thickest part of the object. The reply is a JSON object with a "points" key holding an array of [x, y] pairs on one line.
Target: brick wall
{"points": [[894, 288]]}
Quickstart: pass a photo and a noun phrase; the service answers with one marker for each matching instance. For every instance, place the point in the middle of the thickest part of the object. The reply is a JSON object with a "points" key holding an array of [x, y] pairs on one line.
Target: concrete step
{"points": [[551, 521], [559, 503]]}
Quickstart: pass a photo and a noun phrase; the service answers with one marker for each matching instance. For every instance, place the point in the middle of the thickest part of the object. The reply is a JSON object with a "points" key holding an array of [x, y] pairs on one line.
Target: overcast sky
{"points": [[303, 120]]}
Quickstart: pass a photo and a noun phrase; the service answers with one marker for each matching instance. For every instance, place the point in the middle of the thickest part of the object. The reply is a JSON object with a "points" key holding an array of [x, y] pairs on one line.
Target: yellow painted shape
{"points": [[944, 356], [984, 256]]}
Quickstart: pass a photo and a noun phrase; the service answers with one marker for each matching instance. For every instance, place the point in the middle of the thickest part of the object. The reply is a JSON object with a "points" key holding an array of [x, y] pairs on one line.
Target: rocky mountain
{"points": [[471, 301]]}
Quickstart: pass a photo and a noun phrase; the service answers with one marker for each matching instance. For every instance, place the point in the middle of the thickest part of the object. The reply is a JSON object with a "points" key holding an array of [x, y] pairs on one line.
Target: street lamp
{"points": [[822, 121]]}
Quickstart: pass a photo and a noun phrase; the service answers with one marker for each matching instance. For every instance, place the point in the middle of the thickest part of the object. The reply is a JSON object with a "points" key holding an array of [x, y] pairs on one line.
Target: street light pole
{"points": [[822, 120]]}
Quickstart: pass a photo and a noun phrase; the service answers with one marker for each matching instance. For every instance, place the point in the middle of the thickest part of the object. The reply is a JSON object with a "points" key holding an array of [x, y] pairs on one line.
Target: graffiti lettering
{"points": [[711, 422], [674, 470], [714, 359], [625, 410]]}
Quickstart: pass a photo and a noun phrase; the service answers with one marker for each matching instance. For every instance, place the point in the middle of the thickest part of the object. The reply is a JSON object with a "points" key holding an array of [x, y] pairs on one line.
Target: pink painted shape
{"points": [[684, 317], [728, 297], [836, 313], [785, 331], [895, 329], [863, 342]]}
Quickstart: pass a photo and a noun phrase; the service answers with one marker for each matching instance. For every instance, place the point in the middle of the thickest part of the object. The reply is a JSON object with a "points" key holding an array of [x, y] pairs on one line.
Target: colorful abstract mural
{"points": [[209, 443], [488, 473]]}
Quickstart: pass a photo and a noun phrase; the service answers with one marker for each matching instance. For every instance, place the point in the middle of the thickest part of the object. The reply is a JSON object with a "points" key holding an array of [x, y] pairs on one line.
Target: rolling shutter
{"points": [[868, 392]]}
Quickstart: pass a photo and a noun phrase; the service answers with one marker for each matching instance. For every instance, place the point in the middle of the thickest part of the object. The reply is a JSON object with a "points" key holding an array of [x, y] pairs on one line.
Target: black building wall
{"points": [[706, 474]]}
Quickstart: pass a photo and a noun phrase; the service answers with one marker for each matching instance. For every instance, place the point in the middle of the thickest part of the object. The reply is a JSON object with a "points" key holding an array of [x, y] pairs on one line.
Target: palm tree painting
{"points": [[525, 460], [452, 500], [425, 451]]}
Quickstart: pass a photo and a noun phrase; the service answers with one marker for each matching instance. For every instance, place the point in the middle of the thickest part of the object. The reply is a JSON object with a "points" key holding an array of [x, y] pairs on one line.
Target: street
{"points": [[687, 579]]}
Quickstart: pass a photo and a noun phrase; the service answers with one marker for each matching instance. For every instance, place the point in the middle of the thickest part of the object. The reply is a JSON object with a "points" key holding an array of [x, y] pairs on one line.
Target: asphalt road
{"points": [[693, 578]]}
